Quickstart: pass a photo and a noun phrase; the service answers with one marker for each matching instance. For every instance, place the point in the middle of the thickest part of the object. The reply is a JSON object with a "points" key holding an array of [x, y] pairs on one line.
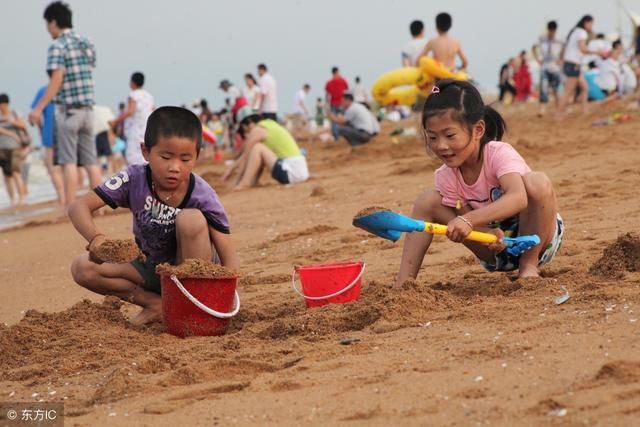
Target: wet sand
{"points": [[456, 347]]}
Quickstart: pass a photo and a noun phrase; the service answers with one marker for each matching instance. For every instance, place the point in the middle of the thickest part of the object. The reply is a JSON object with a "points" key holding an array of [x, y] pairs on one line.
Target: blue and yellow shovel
{"points": [[390, 225]]}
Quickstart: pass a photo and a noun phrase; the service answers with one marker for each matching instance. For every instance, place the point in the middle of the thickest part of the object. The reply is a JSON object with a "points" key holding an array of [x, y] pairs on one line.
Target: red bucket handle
{"points": [[335, 294], [201, 306]]}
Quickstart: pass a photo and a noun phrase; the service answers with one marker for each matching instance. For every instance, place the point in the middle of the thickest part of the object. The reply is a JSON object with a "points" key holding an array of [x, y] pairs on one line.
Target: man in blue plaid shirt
{"points": [[70, 61]]}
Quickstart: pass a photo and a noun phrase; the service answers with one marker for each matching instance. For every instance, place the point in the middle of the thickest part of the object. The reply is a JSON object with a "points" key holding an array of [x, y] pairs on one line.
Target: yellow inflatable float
{"points": [[402, 86]]}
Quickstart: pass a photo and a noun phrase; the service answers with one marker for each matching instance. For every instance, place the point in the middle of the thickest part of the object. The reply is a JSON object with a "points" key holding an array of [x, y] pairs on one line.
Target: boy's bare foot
{"points": [[147, 315]]}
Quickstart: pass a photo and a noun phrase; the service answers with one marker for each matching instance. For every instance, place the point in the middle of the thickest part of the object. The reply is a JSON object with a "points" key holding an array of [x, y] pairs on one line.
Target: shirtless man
{"points": [[444, 48]]}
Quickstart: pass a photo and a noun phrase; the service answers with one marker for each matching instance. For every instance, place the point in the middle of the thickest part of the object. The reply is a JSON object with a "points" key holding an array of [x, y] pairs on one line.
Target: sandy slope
{"points": [[458, 347]]}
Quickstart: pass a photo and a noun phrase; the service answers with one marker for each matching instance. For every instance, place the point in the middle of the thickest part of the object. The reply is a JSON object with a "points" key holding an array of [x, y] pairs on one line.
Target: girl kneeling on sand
{"points": [[484, 183], [266, 145]]}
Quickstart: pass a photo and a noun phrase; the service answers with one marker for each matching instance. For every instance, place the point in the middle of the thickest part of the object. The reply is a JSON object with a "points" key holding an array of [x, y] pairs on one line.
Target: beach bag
{"points": [[25, 138]]}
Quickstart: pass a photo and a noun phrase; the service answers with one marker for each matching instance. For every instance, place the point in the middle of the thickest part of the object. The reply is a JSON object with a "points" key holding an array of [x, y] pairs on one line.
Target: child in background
{"points": [[444, 48], [118, 152], [483, 183], [320, 116], [217, 127], [415, 45], [176, 215]]}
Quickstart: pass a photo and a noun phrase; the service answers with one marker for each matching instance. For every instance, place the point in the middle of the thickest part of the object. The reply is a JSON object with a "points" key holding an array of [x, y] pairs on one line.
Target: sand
{"points": [[457, 346], [197, 269], [116, 251]]}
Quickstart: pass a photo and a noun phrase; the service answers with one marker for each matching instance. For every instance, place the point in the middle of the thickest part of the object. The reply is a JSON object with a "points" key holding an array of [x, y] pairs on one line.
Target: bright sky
{"points": [[185, 48]]}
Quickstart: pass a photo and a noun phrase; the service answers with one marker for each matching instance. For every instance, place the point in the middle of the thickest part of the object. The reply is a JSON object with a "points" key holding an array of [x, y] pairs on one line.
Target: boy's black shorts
{"points": [[147, 270]]}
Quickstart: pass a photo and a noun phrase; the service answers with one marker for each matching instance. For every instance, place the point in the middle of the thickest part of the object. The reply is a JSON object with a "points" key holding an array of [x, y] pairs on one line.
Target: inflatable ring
{"points": [[431, 67], [401, 86], [208, 135]]}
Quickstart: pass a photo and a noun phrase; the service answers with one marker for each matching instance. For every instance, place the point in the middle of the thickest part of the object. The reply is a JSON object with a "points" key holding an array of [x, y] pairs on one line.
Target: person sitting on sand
{"points": [[445, 48], [610, 77], [358, 125], [506, 83], [484, 183], [267, 145], [176, 215]]}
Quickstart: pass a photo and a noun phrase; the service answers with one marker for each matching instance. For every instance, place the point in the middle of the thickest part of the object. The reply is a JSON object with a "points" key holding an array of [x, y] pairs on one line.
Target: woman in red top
{"points": [[522, 79]]}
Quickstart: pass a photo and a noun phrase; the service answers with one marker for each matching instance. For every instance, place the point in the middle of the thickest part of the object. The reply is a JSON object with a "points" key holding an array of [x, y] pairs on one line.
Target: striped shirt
{"points": [[76, 57]]}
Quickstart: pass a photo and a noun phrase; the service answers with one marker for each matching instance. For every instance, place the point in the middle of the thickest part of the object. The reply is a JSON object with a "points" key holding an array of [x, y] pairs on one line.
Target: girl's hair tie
{"points": [[435, 89]]}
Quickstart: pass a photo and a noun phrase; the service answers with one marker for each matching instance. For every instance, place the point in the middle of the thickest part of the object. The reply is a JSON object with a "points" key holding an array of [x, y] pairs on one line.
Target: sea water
{"points": [[40, 190]]}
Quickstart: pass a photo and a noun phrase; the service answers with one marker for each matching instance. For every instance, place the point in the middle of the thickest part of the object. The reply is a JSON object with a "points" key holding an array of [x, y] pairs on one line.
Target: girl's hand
{"points": [[458, 229], [499, 245]]}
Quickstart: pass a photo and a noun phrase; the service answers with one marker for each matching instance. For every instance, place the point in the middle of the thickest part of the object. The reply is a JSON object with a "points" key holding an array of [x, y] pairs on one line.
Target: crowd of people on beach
{"points": [[583, 66], [80, 135]]}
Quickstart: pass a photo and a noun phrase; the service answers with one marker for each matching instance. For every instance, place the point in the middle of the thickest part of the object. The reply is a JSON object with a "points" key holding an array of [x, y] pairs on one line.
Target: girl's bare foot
{"points": [[525, 272]]}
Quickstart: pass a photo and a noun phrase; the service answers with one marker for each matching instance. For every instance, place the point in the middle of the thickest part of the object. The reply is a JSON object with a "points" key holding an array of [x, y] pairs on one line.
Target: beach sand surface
{"points": [[456, 347]]}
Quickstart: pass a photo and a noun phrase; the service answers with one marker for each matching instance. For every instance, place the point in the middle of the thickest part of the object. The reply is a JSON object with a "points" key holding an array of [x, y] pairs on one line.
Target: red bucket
{"points": [[324, 284], [198, 306]]}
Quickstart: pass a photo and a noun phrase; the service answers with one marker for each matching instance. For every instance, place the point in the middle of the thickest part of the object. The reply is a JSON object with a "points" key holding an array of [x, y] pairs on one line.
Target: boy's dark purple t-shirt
{"points": [[154, 223]]}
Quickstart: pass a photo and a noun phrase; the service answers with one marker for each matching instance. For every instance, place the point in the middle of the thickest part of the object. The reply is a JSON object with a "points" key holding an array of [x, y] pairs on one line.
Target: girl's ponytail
{"points": [[494, 125]]}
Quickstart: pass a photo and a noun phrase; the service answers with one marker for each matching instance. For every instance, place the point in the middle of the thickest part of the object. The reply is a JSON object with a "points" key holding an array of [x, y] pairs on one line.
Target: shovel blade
{"points": [[388, 225], [518, 245]]}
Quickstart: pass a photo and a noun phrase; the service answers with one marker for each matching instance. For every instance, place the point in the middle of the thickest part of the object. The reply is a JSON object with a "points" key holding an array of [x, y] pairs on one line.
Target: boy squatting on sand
{"points": [[176, 215]]}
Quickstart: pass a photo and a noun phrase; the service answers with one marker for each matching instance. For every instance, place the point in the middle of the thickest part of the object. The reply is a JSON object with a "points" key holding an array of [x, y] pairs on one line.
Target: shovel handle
{"points": [[476, 236]]}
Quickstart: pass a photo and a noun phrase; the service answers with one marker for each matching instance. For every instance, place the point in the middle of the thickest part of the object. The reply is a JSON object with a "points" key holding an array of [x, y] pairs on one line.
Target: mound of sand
{"points": [[117, 251], [620, 256], [197, 269]]}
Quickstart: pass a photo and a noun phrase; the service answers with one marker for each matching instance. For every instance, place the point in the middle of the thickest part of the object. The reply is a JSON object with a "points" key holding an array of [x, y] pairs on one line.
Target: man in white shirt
{"points": [[415, 45], [231, 92], [300, 110], [547, 52], [360, 93], [299, 103], [357, 125], [268, 94]]}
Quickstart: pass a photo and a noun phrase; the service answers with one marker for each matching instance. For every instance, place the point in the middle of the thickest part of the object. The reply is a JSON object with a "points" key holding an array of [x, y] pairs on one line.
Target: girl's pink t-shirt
{"points": [[498, 159]]}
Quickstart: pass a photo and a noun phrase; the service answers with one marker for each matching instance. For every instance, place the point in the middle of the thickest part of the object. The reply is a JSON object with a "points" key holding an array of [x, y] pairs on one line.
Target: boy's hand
{"points": [[458, 230], [499, 245], [93, 246]]}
